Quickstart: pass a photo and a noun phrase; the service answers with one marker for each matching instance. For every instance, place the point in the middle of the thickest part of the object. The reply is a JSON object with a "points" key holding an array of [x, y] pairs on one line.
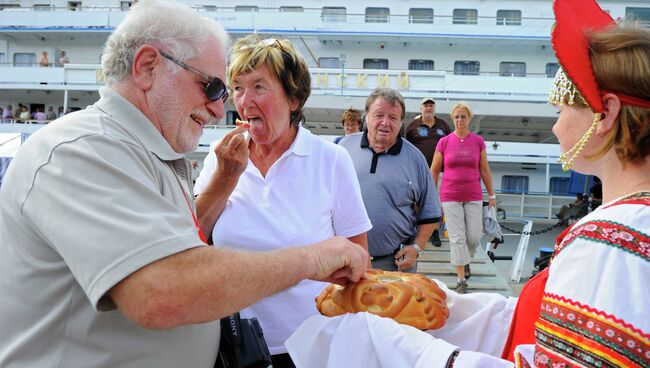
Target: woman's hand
{"points": [[232, 152], [492, 202]]}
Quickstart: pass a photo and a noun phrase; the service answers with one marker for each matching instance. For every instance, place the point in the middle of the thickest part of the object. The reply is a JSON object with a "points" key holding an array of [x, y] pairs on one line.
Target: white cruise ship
{"points": [[494, 54]]}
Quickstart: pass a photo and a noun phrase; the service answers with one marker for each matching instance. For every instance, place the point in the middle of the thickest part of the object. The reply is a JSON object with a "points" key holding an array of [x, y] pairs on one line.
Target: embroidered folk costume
{"points": [[595, 303]]}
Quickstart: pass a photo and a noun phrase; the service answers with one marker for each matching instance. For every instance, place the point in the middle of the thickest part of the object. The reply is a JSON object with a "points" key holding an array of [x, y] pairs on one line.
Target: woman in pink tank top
{"points": [[465, 161]]}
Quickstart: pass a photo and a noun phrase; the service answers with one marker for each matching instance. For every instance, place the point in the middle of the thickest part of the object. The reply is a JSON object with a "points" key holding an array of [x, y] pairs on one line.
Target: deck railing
{"points": [[532, 205]]}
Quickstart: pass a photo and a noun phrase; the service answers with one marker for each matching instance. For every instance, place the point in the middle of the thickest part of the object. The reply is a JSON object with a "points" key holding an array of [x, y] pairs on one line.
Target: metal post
{"points": [[342, 75], [548, 178], [65, 101], [520, 256]]}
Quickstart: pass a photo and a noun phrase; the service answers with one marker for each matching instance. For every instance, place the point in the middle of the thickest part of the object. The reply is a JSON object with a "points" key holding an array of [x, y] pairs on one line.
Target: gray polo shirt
{"points": [[393, 184], [88, 200]]}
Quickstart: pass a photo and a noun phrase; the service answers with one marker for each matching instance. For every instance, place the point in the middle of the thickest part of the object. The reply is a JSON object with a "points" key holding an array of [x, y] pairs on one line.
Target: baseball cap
{"points": [[427, 99]]}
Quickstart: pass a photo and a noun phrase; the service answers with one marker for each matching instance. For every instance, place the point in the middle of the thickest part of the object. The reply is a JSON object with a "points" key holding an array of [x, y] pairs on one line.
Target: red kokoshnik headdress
{"points": [[576, 79]]}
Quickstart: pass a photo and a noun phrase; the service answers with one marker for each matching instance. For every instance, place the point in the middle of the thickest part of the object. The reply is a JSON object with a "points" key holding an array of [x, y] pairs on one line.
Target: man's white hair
{"points": [[165, 24]]}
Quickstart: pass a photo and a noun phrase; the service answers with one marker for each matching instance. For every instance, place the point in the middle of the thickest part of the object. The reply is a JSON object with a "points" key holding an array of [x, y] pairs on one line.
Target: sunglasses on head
{"points": [[215, 88]]}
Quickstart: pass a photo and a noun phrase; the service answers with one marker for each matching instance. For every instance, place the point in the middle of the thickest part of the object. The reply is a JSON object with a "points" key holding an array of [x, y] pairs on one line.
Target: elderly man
{"points": [[424, 132], [103, 263], [397, 187], [426, 129]]}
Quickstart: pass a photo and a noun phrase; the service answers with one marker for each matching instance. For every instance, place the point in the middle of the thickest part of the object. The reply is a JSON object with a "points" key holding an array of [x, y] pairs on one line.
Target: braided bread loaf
{"points": [[411, 299]]}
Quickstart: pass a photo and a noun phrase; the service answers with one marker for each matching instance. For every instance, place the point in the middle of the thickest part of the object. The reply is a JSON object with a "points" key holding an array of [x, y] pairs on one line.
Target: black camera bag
{"points": [[242, 344]]}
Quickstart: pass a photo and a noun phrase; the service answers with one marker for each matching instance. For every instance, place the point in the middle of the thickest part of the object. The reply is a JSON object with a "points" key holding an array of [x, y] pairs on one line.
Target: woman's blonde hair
{"points": [[462, 105], [282, 61], [620, 58]]}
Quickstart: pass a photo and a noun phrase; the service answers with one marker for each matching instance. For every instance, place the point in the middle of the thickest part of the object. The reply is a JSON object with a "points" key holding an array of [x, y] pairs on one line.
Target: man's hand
{"points": [[406, 257], [338, 260], [232, 153]]}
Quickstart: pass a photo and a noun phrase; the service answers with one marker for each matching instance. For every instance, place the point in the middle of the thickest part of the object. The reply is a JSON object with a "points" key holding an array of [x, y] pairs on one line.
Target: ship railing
{"points": [[533, 205], [325, 81], [266, 20], [263, 20], [26, 121]]}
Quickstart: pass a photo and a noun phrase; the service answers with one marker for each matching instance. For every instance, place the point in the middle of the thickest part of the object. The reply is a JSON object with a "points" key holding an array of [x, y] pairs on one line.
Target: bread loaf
{"points": [[411, 299]]}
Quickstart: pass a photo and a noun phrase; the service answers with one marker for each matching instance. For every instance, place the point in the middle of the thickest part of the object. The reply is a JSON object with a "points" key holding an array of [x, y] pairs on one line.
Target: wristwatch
{"points": [[417, 249]]}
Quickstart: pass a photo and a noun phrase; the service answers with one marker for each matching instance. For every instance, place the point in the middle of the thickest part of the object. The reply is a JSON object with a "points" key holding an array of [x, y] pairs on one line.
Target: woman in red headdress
{"points": [[591, 308]]}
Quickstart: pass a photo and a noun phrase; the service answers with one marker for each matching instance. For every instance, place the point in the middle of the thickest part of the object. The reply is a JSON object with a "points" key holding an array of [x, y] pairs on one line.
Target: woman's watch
{"points": [[417, 248]]}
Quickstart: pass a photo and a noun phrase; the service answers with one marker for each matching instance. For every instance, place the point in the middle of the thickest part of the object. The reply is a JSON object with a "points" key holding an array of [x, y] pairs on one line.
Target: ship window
{"points": [[125, 5], [467, 67], [247, 8], [231, 117], [512, 69], [551, 69], [292, 9], [43, 7], [329, 62], [375, 63], [465, 16], [514, 184], [377, 15], [9, 6], [559, 185], [421, 15], [3, 58], [641, 15], [420, 64], [508, 17], [74, 5], [334, 14], [24, 59]]}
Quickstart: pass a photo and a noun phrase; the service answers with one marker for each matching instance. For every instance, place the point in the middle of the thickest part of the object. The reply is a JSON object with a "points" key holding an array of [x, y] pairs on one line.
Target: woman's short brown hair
{"points": [[283, 62], [351, 115]]}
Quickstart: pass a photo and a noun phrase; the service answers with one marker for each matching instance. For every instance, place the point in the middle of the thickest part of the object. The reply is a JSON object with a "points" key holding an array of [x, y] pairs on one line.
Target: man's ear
{"points": [[612, 106], [145, 60]]}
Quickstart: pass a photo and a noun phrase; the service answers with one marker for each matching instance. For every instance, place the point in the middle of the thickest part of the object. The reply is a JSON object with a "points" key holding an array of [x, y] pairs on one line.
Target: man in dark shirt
{"points": [[424, 132]]}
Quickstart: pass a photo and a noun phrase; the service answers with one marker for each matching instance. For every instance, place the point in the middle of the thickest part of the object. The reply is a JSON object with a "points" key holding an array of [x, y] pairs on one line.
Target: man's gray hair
{"points": [[388, 94], [165, 24]]}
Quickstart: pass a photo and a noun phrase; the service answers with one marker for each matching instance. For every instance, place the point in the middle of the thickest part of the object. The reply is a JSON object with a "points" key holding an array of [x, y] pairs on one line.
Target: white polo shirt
{"points": [[310, 194], [88, 200]]}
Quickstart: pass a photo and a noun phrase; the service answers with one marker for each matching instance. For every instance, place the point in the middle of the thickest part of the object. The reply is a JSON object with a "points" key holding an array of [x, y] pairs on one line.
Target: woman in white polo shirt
{"points": [[283, 187]]}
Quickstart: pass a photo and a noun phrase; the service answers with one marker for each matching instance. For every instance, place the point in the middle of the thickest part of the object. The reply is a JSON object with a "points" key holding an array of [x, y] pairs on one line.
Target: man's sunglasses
{"points": [[215, 88]]}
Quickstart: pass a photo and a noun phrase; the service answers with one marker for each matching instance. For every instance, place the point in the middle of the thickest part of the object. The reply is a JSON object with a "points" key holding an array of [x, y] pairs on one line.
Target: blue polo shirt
{"points": [[397, 190]]}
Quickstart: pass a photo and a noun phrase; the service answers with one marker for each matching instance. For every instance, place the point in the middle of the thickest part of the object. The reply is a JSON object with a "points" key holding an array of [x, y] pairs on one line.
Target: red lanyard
{"points": [[196, 221]]}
